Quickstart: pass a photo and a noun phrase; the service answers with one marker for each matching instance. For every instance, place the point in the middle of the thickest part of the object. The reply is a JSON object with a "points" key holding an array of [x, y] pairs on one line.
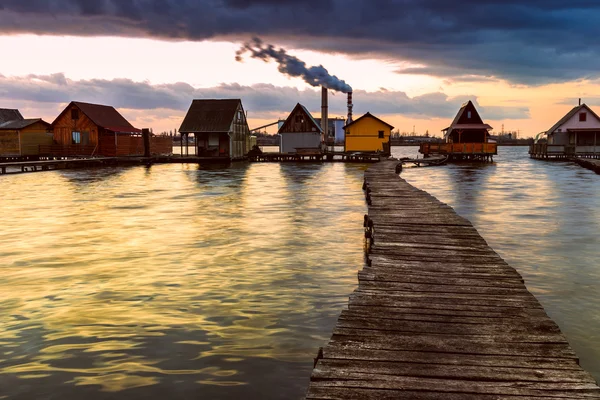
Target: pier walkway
{"points": [[439, 315]]}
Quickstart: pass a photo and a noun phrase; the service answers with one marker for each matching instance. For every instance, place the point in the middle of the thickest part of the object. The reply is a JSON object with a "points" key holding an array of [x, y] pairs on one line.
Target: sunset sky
{"points": [[412, 62]]}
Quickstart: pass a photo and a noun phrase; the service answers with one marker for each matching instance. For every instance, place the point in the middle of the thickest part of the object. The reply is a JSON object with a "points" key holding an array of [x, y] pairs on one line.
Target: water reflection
{"points": [[174, 281]]}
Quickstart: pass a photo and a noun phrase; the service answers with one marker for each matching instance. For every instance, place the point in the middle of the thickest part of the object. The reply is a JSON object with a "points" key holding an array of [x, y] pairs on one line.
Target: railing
{"points": [[544, 149], [459, 148]]}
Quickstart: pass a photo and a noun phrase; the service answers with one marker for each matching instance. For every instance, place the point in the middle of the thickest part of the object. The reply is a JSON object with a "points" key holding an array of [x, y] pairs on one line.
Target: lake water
{"points": [[188, 282]]}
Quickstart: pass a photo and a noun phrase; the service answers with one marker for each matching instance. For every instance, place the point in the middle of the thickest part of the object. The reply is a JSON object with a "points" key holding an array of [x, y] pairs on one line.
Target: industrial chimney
{"points": [[350, 107], [324, 113]]}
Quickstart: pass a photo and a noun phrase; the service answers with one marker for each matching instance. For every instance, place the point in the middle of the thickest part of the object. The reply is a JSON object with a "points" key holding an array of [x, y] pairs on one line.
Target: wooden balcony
{"points": [[460, 151]]}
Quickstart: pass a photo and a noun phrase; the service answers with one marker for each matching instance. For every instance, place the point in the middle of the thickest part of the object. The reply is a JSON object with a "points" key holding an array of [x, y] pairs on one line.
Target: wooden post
{"points": [[146, 138]]}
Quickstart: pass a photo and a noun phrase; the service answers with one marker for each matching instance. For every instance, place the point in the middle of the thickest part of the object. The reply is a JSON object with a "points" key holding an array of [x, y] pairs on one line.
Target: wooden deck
{"points": [[439, 315], [461, 151]]}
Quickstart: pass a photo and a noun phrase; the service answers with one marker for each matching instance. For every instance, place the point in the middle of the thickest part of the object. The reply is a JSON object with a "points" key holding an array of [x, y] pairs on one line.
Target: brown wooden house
{"points": [[93, 129], [220, 128], [467, 138], [20, 137], [467, 127]]}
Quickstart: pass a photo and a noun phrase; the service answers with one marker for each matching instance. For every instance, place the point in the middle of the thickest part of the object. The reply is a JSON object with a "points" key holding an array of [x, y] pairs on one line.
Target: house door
{"points": [[224, 145]]}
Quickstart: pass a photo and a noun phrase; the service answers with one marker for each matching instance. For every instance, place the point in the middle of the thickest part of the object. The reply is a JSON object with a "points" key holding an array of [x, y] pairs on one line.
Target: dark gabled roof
{"points": [[210, 115], [106, 117], [456, 123], [570, 115], [7, 114], [21, 124], [308, 114], [368, 114]]}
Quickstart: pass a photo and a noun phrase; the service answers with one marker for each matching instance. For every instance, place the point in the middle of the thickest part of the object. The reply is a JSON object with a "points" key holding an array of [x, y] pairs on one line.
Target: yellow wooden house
{"points": [[368, 133]]}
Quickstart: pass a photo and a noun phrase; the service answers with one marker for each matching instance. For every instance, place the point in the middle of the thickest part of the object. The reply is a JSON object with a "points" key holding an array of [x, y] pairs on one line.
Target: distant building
{"points": [[220, 128], [467, 127], [86, 129], [367, 133], [22, 137], [299, 131], [336, 129]]}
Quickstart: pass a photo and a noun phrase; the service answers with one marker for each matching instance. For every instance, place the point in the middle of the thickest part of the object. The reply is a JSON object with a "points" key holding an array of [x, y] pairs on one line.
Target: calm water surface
{"points": [[174, 282], [221, 283]]}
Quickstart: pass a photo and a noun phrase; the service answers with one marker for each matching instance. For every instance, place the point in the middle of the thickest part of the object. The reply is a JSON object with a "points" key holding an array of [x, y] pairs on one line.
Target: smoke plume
{"points": [[292, 66]]}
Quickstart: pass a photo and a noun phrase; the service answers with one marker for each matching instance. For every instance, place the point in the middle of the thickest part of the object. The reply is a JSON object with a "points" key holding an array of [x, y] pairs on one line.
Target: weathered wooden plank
{"points": [[448, 317], [474, 327], [501, 312], [454, 344], [507, 283], [331, 368], [531, 389], [343, 352], [342, 393]]}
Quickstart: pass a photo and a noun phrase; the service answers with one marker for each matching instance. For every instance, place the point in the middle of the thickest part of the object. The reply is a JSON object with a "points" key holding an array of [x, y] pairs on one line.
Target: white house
{"points": [[579, 130]]}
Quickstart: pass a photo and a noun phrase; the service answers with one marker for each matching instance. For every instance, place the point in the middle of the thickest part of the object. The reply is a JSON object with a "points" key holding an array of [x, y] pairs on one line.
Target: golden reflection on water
{"points": [[118, 278]]}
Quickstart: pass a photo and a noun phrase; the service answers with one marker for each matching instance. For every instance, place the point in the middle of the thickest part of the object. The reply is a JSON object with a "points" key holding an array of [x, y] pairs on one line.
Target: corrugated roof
{"points": [[7, 114], [210, 115], [368, 114], [570, 115], [21, 124]]}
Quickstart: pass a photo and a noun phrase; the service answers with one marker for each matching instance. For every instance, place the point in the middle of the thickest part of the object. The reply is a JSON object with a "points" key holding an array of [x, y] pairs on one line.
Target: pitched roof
{"points": [[570, 115], [456, 123], [210, 115], [106, 117], [368, 114], [21, 124], [316, 125], [7, 114]]}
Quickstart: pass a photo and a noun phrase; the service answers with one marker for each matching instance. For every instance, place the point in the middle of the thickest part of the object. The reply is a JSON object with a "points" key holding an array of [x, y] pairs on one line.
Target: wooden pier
{"points": [[439, 315], [95, 162], [360, 157]]}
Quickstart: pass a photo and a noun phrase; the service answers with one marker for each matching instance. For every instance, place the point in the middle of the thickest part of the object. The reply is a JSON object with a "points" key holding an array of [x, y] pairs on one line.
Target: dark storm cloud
{"points": [[525, 41], [262, 100]]}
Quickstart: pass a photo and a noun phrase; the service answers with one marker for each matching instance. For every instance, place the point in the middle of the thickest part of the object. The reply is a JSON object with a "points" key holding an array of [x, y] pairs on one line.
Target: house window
{"points": [[240, 116], [469, 114], [560, 129], [348, 132], [381, 135], [74, 113], [582, 117], [299, 118], [76, 137]]}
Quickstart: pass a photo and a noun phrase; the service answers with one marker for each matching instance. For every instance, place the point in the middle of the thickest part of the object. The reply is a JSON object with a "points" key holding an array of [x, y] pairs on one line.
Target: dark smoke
{"points": [[292, 66]]}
